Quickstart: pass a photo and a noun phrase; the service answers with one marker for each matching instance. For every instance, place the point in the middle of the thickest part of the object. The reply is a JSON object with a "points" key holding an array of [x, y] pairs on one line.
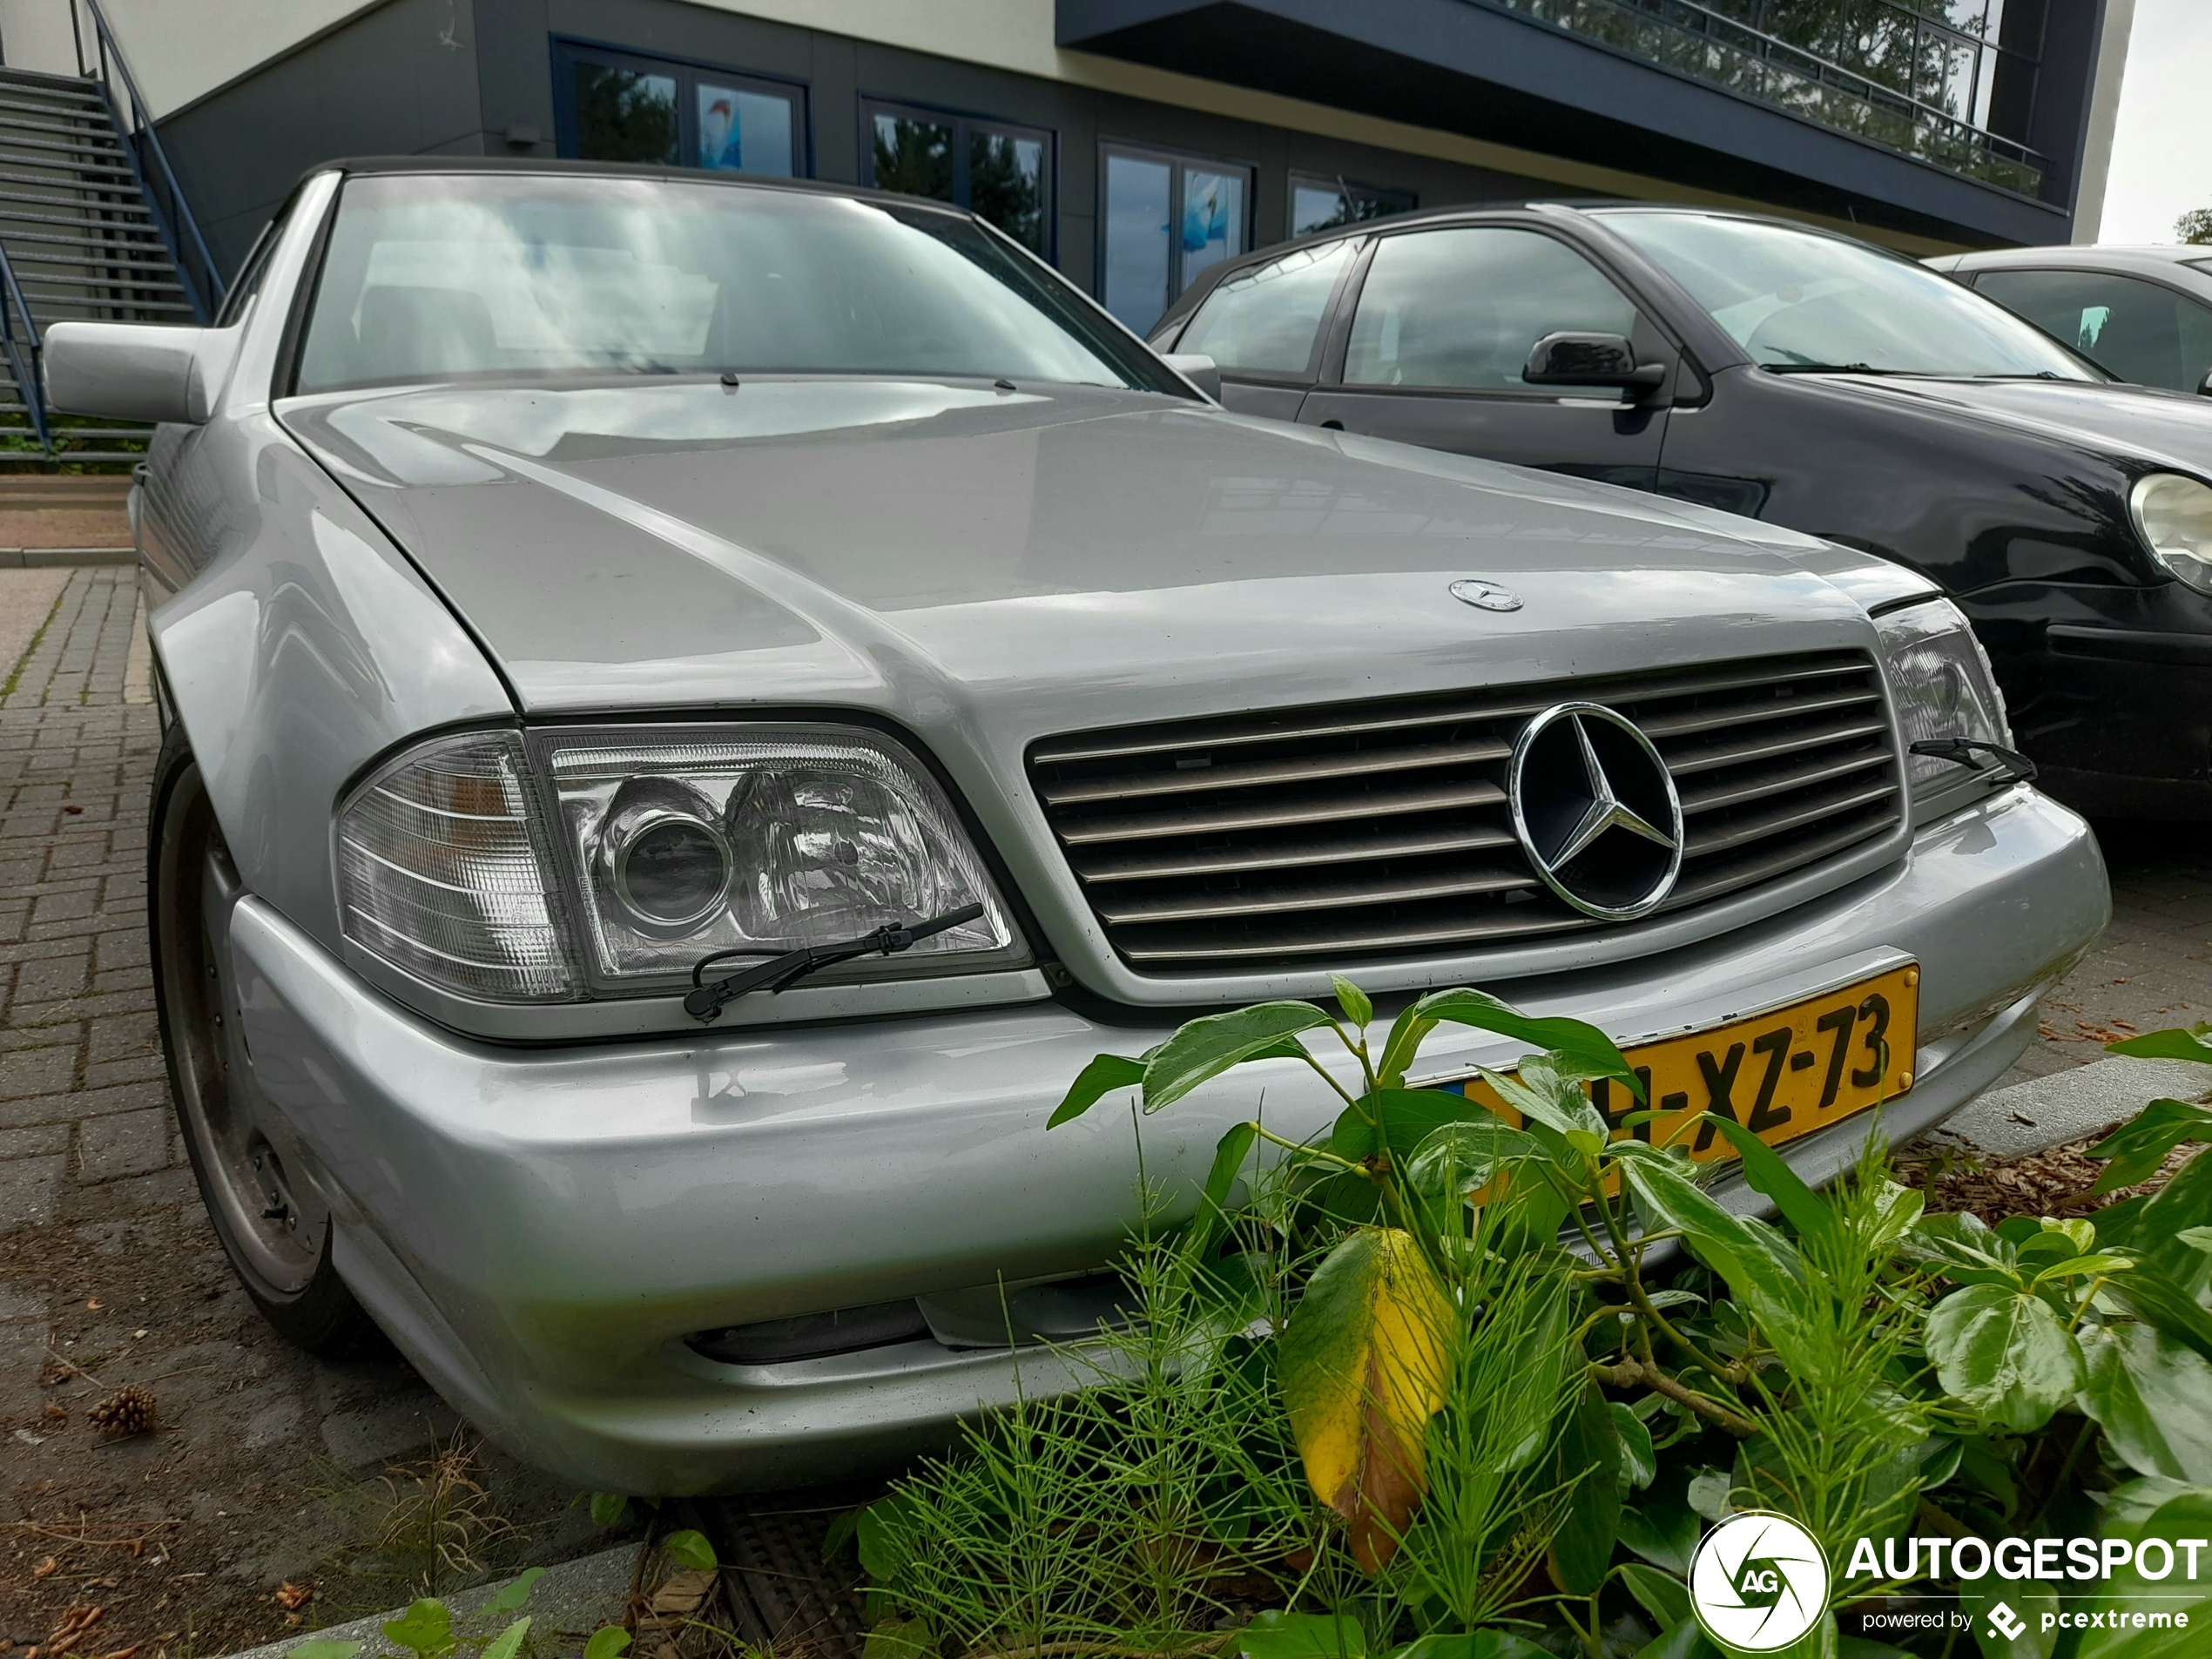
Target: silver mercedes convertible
{"points": [[693, 708]]}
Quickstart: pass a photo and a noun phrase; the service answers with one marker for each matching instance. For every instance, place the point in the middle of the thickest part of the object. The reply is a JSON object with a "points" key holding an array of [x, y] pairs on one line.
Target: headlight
{"points": [[671, 843], [1940, 680], [691, 842], [2173, 517]]}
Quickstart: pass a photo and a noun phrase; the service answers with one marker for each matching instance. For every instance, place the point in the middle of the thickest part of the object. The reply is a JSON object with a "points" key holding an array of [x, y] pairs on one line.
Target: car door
{"points": [[1262, 326], [2142, 331], [1440, 325]]}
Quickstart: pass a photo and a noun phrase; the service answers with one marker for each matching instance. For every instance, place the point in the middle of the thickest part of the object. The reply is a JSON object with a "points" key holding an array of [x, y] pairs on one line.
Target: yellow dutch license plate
{"points": [[1781, 1074]]}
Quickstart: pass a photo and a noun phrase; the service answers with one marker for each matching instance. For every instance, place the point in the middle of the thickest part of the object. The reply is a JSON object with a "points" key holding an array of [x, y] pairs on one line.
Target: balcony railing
{"points": [[1949, 71]]}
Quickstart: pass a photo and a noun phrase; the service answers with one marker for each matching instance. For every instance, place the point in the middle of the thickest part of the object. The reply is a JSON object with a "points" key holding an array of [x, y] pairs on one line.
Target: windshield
{"points": [[441, 276], [1793, 300]]}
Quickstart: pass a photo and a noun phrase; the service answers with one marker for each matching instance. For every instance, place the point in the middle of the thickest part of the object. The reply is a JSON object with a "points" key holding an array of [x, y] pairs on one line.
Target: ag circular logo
{"points": [[1758, 1582]]}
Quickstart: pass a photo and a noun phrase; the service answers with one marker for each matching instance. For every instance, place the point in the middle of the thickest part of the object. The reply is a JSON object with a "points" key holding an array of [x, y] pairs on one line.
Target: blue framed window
{"points": [[614, 105], [1166, 219]]}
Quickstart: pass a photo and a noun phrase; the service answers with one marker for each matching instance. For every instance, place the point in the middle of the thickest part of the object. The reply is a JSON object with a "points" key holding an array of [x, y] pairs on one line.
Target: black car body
{"points": [[2020, 491]]}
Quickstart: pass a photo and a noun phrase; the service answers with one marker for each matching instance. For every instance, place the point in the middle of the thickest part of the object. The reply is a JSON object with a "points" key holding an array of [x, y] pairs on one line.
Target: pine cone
{"points": [[128, 1411]]}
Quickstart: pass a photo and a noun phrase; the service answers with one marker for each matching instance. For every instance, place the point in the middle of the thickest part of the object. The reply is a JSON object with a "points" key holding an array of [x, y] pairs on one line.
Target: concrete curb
{"points": [[2045, 1112], [571, 1601], [37, 558]]}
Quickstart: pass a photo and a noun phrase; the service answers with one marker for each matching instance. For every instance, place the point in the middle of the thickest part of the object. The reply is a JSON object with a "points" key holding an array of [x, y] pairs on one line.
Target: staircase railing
{"points": [[22, 353], [165, 197]]}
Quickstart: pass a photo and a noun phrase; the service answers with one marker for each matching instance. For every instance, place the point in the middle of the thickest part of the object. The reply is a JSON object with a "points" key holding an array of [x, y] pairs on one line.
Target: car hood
{"points": [[1031, 561], [2123, 423]]}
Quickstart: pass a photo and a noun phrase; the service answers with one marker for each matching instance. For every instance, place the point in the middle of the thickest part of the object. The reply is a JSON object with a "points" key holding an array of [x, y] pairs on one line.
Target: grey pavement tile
{"points": [[26, 1143], [37, 1071], [29, 1188], [124, 1143]]}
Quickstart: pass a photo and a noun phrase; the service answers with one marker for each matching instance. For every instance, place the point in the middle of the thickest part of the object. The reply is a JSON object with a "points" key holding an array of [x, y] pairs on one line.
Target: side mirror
{"points": [[1198, 368], [2204, 385], [1570, 359], [128, 371]]}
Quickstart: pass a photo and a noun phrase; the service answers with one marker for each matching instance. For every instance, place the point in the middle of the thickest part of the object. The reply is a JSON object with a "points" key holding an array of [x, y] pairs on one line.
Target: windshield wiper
{"points": [[1832, 368], [705, 1002]]}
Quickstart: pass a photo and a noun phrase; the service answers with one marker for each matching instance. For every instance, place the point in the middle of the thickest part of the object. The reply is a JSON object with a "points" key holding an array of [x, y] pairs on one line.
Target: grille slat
{"points": [[1381, 829]]}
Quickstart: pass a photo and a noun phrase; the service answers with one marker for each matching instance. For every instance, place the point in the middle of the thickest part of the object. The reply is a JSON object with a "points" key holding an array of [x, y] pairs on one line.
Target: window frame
{"points": [[569, 50], [1348, 296], [964, 123], [1355, 265], [2146, 278], [1178, 162], [1330, 181]]}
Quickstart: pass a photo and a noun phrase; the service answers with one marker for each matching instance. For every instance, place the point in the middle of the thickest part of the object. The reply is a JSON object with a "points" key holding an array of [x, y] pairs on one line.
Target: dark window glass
{"points": [[624, 115], [621, 107], [1462, 307], [1002, 173], [1318, 204], [1265, 320], [2140, 331], [1167, 219], [532, 277]]}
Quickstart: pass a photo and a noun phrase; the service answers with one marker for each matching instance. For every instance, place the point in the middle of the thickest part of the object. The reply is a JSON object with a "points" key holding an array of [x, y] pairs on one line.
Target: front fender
{"points": [[296, 643]]}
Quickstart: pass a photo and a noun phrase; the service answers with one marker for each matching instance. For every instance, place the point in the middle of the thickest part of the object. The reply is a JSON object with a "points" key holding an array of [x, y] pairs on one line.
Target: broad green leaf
{"points": [[1711, 1494], [508, 1642], [1362, 1366], [1472, 1644], [1459, 1159], [900, 1639], [608, 1642], [1587, 1051], [1977, 1599], [1663, 1529], [2187, 1515], [2184, 1201], [2137, 1148], [1205, 1049], [2153, 1398], [881, 1531], [426, 1628], [1273, 1635], [2007, 1357], [1589, 1457], [2196, 1237], [2175, 1043], [323, 1650], [1686, 1641], [1799, 1205], [1638, 1464], [1353, 1000], [608, 1508], [1665, 1597], [1761, 1272], [690, 1549], [1106, 1073], [1229, 1155], [515, 1594], [1939, 1461], [1401, 1119], [2157, 1299]]}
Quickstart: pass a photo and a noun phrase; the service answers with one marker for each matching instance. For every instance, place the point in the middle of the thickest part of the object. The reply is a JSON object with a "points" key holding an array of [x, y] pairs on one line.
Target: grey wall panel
{"points": [[400, 79]]}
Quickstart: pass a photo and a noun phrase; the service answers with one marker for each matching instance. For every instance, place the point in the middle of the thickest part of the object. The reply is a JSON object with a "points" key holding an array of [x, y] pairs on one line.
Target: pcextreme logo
{"points": [[1758, 1582]]}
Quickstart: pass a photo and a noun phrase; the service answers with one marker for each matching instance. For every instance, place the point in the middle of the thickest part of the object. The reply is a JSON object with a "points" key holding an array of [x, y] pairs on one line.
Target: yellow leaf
{"points": [[1363, 1371]]}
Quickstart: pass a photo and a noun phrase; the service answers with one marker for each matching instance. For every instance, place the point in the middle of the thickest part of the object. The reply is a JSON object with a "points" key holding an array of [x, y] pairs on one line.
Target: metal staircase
{"points": [[92, 226]]}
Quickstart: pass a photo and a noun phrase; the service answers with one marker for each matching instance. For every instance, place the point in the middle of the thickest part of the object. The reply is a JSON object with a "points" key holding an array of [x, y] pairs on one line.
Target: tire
{"points": [[277, 1232]]}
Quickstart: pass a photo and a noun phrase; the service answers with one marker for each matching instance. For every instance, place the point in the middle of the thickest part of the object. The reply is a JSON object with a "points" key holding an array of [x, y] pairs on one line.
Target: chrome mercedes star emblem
{"points": [[1485, 596], [1595, 809]]}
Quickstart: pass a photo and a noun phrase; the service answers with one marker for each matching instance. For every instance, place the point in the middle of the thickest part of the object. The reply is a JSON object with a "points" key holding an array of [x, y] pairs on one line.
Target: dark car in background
{"points": [[2144, 313], [1785, 374]]}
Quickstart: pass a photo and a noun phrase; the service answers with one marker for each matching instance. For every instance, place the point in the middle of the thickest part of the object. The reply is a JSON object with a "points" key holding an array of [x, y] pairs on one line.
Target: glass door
{"points": [[1168, 218]]}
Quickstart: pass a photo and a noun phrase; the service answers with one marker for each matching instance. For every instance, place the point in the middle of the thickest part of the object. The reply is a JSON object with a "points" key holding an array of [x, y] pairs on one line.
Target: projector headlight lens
{"points": [[2173, 517]]}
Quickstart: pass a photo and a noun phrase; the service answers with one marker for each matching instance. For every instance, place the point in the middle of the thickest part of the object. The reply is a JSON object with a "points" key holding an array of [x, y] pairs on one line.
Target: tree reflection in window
{"points": [[1005, 184], [624, 115], [914, 158]]}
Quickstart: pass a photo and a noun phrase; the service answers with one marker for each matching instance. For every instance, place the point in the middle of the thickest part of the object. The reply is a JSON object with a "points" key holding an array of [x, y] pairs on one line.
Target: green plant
{"points": [[427, 1631]]}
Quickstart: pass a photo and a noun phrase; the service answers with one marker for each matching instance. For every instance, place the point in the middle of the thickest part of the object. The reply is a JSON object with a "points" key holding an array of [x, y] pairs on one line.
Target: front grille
{"points": [[1284, 837]]}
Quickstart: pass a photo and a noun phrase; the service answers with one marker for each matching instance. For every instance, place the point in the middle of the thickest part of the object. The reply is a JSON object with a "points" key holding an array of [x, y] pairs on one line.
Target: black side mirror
{"points": [[1569, 358]]}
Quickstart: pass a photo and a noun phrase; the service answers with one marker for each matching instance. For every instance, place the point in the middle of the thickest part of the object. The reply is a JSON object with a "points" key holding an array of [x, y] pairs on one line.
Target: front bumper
{"points": [[538, 1228]]}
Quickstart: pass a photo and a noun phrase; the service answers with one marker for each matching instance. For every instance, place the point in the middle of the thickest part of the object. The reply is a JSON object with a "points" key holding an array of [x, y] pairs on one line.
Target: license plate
{"points": [[1781, 1074]]}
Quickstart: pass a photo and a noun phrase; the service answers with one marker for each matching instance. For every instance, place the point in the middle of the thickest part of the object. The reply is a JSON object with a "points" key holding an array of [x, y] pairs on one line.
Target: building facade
{"points": [[1134, 142]]}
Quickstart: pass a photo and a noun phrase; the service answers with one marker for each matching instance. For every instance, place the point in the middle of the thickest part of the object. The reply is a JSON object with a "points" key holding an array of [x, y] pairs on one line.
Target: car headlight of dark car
{"points": [[1943, 687], [2173, 514], [614, 859]]}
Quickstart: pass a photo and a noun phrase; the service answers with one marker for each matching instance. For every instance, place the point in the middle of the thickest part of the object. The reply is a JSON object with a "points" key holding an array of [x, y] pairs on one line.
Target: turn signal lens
{"points": [[440, 873], [2173, 517]]}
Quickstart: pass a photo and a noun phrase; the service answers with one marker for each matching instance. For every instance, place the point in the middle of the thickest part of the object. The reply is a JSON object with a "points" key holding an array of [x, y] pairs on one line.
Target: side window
{"points": [[2140, 331], [1267, 321], [1460, 308]]}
